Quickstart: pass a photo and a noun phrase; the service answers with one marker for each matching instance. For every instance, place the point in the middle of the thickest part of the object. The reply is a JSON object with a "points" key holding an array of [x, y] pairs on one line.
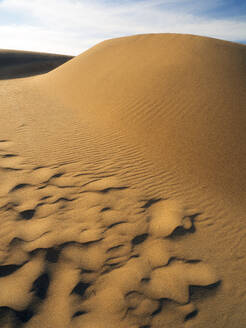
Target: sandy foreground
{"points": [[123, 184]]}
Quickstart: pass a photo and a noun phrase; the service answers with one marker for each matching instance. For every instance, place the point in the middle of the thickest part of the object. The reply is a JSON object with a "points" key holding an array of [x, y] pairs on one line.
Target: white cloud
{"points": [[72, 26]]}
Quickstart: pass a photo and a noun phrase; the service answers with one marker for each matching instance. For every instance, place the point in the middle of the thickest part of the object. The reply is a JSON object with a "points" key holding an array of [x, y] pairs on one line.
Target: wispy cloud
{"points": [[72, 26]]}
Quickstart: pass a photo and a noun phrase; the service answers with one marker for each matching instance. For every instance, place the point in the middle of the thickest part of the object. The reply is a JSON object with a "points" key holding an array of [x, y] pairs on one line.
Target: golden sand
{"points": [[122, 196]]}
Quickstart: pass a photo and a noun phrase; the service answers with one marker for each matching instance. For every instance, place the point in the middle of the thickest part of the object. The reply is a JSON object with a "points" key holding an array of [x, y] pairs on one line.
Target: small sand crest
{"points": [[95, 258]]}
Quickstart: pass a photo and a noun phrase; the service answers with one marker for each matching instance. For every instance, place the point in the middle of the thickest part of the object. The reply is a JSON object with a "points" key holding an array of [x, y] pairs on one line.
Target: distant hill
{"points": [[18, 64]]}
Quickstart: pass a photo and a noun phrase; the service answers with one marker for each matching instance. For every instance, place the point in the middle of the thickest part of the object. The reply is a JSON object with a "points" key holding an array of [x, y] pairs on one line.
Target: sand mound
{"points": [[122, 197], [181, 97], [18, 64]]}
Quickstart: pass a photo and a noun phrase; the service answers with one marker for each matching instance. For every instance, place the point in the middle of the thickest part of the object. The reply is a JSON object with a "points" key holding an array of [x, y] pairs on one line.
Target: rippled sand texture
{"points": [[122, 195]]}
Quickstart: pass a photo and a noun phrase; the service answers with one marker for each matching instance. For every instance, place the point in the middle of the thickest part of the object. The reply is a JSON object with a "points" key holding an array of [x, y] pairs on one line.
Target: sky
{"points": [[72, 26]]}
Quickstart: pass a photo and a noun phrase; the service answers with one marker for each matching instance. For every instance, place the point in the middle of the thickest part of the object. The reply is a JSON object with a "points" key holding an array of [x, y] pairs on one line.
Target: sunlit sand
{"points": [[122, 195]]}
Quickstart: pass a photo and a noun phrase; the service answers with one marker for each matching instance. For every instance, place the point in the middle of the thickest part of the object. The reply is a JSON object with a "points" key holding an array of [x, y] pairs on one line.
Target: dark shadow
{"points": [[139, 239], [145, 280], [80, 288], [63, 199], [5, 270], [181, 231], [134, 256], [158, 310], [198, 292], [174, 259], [19, 317], [45, 197], [57, 175], [191, 315], [87, 271], [24, 316], [91, 242], [27, 215], [110, 267], [52, 254], [41, 285], [78, 313], [106, 190], [192, 261], [114, 247], [9, 155], [115, 224], [105, 209], [38, 168], [19, 186], [150, 202]]}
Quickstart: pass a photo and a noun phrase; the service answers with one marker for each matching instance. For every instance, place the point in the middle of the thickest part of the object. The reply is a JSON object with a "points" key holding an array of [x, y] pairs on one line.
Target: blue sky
{"points": [[72, 26]]}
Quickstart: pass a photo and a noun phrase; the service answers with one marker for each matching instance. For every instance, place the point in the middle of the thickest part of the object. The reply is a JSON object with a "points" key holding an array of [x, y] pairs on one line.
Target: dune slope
{"points": [[122, 200], [183, 97]]}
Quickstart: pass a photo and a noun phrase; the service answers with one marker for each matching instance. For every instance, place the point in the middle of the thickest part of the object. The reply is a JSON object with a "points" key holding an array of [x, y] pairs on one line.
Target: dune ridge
{"points": [[122, 200]]}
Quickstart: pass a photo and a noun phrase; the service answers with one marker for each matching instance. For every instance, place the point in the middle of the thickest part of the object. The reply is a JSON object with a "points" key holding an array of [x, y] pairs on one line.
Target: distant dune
{"points": [[17, 64], [123, 184]]}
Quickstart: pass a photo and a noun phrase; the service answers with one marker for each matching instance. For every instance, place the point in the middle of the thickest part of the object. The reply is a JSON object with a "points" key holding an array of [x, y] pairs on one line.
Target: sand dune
{"points": [[18, 64], [122, 196]]}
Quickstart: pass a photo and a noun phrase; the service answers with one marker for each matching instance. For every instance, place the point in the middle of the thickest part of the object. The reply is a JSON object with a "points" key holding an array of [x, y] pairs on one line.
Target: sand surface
{"points": [[123, 184]]}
